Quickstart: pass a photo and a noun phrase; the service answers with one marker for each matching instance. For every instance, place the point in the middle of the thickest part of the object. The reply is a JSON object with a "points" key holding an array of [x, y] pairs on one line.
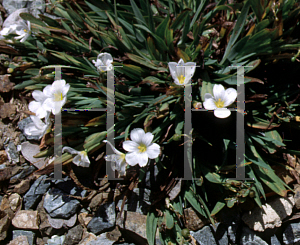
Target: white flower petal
{"points": [[69, 150], [59, 84], [113, 148], [209, 104], [131, 158], [222, 112], [219, 92], [34, 106], [48, 91], [110, 158], [172, 68], [147, 139], [142, 159], [39, 96], [153, 151], [190, 69], [31, 129], [130, 146], [41, 112], [37, 122], [65, 89], [77, 160], [137, 135], [230, 96], [48, 104], [208, 96]]}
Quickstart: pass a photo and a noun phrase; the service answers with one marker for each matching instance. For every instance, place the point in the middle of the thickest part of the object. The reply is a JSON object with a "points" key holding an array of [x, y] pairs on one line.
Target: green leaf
{"points": [[169, 220], [199, 10], [257, 9], [180, 19], [190, 197], [97, 10], [138, 15], [32, 19], [161, 29], [151, 225], [239, 26], [219, 205], [211, 176]]}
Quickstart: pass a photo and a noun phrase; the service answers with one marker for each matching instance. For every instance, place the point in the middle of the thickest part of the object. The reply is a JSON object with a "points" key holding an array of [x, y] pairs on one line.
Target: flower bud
{"points": [[10, 70]]}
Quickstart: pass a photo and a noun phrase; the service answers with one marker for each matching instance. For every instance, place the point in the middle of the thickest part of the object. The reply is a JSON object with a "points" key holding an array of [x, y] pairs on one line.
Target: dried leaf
{"points": [[5, 84]]}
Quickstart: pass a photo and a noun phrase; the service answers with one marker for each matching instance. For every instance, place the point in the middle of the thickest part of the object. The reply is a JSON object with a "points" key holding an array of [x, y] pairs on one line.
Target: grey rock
{"points": [[27, 170], [56, 240], [204, 236], [291, 234], [59, 223], [151, 176], [36, 191], [275, 241], [221, 234], [232, 218], [249, 237], [68, 186], [29, 234], [139, 201], [2, 166], [29, 151], [12, 153], [59, 205], [22, 124], [105, 218], [34, 6], [74, 235]]}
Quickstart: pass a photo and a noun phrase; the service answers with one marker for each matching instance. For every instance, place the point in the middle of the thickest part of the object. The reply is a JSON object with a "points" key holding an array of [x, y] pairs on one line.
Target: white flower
{"points": [[182, 72], [38, 127], [56, 94], [118, 159], [21, 29], [36, 106], [221, 99], [103, 62], [140, 147], [81, 160]]}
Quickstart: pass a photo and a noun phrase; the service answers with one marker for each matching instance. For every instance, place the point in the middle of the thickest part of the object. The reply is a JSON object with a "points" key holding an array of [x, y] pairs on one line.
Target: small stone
{"points": [[136, 222], [36, 191], [22, 187], [26, 219], [20, 240], [249, 237], [56, 240], [29, 234], [29, 151], [74, 235], [297, 196], [204, 236], [14, 201], [270, 215], [26, 170], [193, 222], [96, 202], [84, 219], [291, 234], [3, 157], [59, 205], [139, 201], [4, 225], [59, 223], [91, 239], [12, 153], [105, 218]]}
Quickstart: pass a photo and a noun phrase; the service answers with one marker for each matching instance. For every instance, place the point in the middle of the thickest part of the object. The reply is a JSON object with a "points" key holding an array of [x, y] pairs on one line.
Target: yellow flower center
{"points": [[142, 148], [219, 103], [181, 79], [58, 97], [83, 153], [25, 30]]}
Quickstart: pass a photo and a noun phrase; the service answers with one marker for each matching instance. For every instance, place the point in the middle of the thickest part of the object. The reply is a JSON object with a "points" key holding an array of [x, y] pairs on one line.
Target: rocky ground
{"points": [[36, 209]]}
